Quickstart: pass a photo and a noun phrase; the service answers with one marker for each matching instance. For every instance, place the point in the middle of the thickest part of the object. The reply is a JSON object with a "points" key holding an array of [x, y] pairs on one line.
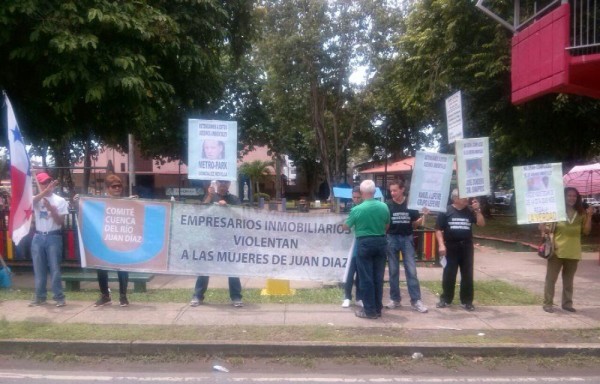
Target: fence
{"points": [[21, 254], [585, 34]]}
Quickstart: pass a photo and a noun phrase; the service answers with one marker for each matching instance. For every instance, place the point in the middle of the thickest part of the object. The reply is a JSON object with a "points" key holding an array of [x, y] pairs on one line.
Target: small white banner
{"points": [[539, 193], [454, 117], [430, 182], [473, 167]]}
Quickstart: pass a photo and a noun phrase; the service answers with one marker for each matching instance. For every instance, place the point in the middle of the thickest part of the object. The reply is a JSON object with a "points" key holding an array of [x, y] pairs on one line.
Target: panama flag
{"points": [[21, 203]]}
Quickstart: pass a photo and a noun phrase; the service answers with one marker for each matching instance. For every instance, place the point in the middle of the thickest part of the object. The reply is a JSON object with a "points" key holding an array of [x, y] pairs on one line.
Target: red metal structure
{"points": [[556, 50]]}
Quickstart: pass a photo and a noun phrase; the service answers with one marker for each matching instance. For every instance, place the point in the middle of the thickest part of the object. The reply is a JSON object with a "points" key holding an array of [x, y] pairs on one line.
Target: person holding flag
{"points": [[47, 244]]}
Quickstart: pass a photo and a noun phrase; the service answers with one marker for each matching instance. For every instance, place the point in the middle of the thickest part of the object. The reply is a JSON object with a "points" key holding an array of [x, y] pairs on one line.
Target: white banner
{"points": [[212, 150], [454, 117], [430, 182], [236, 241], [190, 239], [539, 193], [473, 167]]}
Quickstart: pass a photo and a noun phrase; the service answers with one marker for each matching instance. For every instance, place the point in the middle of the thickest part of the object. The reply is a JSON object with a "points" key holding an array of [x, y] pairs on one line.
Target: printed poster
{"points": [[430, 182], [212, 150], [454, 117], [473, 167], [539, 193], [124, 234], [191, 239]]}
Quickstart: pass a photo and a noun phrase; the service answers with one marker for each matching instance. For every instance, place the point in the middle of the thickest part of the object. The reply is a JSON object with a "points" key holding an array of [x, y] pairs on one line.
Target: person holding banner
{"points": [[222, 197], [455, 238], [567, 249], [370, 220], [114, 189], [400, 238], [47, 244], [352, 276]]}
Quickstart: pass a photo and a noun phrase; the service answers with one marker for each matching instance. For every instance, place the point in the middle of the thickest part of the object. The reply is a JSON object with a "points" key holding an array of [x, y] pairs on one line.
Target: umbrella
{"points": [[585, 178]]}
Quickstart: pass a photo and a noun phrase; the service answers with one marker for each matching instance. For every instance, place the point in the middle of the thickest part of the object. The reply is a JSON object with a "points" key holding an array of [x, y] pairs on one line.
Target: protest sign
{"points": [[124, 234], [212, 149], [430, 182], [189, 239], [539, 193], [473, 167], [454, 117]]}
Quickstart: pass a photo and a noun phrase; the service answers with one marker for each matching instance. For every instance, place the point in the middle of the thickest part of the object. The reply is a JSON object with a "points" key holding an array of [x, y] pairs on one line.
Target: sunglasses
{"points": [[116, 186]]}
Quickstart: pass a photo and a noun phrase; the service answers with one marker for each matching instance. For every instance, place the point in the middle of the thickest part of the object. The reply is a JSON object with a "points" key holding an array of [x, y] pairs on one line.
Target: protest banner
{"points": [[189, 239], [124, 234], [430, 182], [454, 118], [473, 167], [539, 193], [212, 150]]}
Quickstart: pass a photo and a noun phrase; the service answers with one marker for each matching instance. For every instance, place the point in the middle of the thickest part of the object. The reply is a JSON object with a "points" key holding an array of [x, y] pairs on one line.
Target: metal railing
{"points": [[585, 32]]}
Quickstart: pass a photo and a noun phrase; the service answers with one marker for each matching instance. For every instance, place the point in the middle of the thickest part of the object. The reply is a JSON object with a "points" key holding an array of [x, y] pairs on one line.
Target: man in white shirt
{"points": [[47, 244]]}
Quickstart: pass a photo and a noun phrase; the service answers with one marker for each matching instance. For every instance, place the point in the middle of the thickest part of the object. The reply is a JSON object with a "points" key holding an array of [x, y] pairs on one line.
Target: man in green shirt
{"points": [[370, 221]]}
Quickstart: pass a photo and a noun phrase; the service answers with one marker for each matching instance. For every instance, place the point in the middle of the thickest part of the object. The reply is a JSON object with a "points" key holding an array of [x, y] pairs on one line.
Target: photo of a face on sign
{"points": [[213, 149]]}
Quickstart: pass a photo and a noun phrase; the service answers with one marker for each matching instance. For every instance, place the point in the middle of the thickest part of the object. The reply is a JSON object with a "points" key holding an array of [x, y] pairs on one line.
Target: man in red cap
{"points": [[47, 244]]}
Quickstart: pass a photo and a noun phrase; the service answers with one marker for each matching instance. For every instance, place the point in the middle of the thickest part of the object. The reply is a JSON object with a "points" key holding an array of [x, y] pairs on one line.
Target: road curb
{"points": [[139, 348]]}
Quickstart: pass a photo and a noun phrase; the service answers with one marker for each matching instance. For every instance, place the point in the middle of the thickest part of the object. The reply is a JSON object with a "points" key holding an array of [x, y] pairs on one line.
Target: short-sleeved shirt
{"points": [[401, 218], [369, 218], [456, 224], [229, 199], [567, 238], [43, 219]]}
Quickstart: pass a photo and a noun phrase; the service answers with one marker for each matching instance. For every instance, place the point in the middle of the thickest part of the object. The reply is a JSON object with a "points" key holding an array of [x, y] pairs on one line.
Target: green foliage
{"points": [[256, 171], [104, 69]]}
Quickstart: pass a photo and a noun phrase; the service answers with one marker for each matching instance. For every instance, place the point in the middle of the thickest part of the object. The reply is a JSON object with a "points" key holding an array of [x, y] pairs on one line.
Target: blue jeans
{"points": [[404, 244], [46, 253], [352, 277], [370, 263], [235, 288]]}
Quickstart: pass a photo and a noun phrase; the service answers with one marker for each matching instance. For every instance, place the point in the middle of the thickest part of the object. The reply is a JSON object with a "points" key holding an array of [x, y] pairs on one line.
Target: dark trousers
{"points": [[352, 278], [103, 281], [370, 263], [459, 255]]}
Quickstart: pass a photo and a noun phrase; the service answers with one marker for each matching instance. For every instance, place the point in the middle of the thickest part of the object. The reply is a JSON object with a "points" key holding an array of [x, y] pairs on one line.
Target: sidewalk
{"points": [[523, 269]]}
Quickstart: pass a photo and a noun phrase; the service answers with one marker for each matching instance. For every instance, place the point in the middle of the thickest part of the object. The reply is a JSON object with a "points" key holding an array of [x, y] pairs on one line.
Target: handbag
{"points": [[5, 275], [546, 248]]}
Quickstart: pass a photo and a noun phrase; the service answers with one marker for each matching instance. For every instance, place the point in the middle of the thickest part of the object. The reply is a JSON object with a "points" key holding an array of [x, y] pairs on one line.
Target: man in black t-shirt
{"points": [[455, 238], [400, 238]]}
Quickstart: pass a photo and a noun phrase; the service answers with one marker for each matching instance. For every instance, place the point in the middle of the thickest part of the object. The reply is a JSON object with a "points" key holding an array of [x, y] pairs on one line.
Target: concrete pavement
{"points": [[523, 269]]}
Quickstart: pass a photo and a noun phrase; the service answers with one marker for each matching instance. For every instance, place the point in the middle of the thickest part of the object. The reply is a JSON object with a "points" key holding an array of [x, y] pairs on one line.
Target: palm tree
{"points": [[256, 171]]}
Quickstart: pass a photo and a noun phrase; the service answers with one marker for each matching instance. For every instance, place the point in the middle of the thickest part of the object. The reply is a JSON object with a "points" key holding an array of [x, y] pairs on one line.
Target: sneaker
{"points": [[468, 307], [393, 304], [359, 303], [237, 303], [363, 315], [548, 308], [346, 303], [37, 302], [442, 304], [569, 309], [419, 307], [196, 301], [60, 303], [103, 300], [123, 302]]}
